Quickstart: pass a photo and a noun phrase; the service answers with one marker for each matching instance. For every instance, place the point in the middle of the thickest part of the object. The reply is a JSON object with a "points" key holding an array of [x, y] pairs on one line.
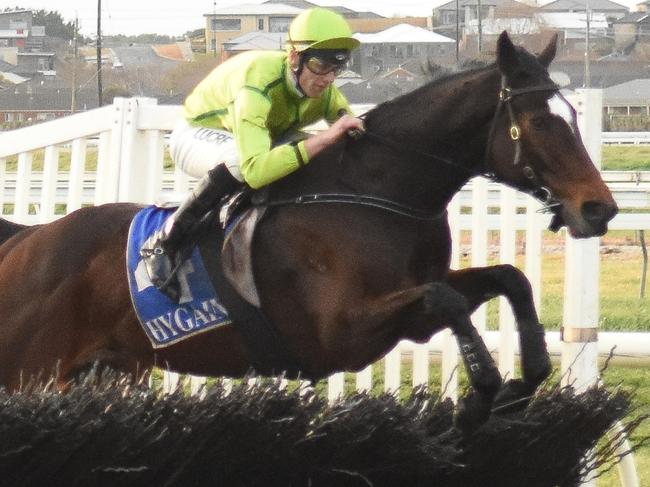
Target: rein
{"points": [[506, 94]]}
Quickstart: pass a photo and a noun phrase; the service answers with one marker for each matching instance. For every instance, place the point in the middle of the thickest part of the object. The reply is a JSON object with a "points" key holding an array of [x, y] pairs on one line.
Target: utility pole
{"points": [[99, 52], [587, 83], [214, 31], [457, 31], [73, 101], [480, 28]]}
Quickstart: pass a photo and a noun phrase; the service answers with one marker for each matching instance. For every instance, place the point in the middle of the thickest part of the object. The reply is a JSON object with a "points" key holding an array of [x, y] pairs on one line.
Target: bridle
{"points": [[506, 94]]}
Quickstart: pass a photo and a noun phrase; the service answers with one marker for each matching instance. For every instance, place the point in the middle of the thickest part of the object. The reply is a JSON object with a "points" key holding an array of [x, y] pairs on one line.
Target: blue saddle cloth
{"points": [[164, 321]]}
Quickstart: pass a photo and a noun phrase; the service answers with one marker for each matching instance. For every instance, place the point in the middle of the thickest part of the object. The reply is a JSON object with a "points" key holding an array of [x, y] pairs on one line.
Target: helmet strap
{"points": [[297, 71]]}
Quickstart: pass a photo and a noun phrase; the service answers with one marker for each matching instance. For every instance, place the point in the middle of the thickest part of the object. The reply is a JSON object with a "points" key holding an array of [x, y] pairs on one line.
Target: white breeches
{"points": [[196, 150]]}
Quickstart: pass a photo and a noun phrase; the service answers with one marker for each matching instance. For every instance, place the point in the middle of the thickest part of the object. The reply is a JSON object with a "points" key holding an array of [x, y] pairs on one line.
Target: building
{"points": [[630, 30], [18, 34], [227, 23], [264, 41], [41, 98], [389, 49], [468, 10], [611, 10], [626, 106]]}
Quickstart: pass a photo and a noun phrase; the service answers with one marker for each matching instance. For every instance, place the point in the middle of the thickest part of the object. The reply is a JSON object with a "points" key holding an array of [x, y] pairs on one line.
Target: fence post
{"points": [[582, 267], [133, 172], [582, 272]]}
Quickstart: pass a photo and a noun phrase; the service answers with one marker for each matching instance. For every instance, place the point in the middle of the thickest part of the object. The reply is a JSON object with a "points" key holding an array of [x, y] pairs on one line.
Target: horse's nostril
{"points": [[598, 212]]}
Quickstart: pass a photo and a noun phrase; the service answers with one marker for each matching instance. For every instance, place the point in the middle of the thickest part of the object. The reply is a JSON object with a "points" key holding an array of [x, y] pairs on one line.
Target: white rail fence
{"points": [[116, 153]]}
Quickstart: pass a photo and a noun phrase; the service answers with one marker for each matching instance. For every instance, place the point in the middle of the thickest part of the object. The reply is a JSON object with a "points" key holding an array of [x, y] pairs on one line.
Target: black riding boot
{"points": [[166, 251]]}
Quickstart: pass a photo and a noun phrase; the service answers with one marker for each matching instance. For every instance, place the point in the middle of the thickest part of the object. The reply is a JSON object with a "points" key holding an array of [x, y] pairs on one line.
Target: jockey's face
{"points": [[313, 84]]}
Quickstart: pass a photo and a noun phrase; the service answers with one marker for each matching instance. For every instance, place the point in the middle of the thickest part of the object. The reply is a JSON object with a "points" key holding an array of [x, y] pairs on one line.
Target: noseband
{"points": [[506, 94]]}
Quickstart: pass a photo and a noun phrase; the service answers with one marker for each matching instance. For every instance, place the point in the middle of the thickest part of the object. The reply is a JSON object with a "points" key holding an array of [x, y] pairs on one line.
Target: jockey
{"points": [[236, 116]]}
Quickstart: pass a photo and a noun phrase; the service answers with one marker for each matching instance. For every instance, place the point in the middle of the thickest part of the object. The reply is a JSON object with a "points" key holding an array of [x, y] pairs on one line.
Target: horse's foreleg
{"points": [[480, 284]]}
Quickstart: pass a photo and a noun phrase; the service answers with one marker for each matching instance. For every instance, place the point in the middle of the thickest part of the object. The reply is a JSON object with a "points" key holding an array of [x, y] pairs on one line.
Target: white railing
{"points": [[634, 138], [127, 139]]}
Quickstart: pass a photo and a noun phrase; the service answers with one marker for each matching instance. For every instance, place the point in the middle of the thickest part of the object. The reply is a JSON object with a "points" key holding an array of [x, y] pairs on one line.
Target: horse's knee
{"points": [[513, 282]]}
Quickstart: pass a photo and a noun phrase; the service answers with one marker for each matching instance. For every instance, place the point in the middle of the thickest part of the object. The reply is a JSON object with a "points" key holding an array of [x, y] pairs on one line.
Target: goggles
{"points": [[321, 65]]}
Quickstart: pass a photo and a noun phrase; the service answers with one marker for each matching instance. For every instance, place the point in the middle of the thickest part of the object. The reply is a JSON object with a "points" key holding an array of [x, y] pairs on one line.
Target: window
{"points": [[213, 45], [396, 51], [260, 24], [226, 24], [279, 24]]}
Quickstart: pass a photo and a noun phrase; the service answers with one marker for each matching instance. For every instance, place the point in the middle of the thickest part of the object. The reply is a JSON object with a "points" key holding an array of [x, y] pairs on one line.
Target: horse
{"points": [[352, 255]]}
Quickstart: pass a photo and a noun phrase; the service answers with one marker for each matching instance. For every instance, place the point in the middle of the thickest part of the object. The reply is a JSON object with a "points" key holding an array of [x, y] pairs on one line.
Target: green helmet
{"points": [[320, 28]]}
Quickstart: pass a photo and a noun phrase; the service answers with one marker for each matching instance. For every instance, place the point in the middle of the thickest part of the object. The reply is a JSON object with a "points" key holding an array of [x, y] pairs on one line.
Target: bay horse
{"points": [[353, 254]]}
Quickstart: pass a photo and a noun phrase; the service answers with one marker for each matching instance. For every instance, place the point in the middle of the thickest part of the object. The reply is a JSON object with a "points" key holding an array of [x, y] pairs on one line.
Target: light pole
{"points": [[587, 83]]}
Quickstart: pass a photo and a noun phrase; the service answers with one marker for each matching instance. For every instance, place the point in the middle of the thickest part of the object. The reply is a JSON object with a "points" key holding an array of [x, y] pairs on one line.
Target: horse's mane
{"points": [[439, 75]]}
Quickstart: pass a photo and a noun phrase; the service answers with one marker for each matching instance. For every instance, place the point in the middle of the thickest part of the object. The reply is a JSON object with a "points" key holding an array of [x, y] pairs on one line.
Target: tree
{"points": [[54, 24]]}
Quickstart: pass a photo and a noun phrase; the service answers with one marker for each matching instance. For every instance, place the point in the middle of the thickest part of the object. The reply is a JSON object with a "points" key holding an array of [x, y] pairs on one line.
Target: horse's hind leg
{"points": [[480, 284], [437, 303], [451, 307]]}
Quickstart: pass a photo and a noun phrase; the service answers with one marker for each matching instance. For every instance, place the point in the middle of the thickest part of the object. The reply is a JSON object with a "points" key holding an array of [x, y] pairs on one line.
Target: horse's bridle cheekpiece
{"points": [[506, 94]]}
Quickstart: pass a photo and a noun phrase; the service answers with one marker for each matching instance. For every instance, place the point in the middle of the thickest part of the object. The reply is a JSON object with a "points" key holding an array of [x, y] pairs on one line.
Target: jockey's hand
{"points": [[333, 134], [346, 125]]}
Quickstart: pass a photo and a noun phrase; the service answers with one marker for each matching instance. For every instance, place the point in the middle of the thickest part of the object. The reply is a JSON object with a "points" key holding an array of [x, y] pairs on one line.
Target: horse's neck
{"points": [[442, 129]]}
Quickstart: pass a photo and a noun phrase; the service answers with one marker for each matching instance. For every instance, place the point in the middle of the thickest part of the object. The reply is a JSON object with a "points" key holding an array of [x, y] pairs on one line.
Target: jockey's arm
{"points": [[260, 165]]}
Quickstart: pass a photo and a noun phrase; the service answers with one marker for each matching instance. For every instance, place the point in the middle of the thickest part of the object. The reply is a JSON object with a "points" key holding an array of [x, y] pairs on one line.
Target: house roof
{"points": [[604, 73], [304, 4], [257, 9], [573, 20], [634, 18], [45, 100], [7, 67], [402, 33], [174, 52], [12, 78], [484, 3], [581, 5], [630, 92], [256, 40], [9, 12]]}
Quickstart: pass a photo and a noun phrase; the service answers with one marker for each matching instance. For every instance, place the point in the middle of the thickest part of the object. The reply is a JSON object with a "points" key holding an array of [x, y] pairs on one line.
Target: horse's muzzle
{"points": [[592, 220], [598, 214]]}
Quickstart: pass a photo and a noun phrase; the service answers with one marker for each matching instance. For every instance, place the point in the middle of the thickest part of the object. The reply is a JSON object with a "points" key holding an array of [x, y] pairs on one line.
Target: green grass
{"points": [[626, 158]]}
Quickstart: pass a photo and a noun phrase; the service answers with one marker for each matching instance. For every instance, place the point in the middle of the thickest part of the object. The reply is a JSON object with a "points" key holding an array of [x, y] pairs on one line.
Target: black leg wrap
{"points": [[474, 409], [536, 363], [481, 369]]}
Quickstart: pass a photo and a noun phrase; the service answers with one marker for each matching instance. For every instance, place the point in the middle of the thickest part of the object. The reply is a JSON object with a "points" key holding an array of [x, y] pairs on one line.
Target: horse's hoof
{"points": [[472, 412], [514, 396]]}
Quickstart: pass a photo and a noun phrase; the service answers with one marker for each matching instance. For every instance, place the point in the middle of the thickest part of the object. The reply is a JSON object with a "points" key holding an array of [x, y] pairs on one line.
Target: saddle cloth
{"points": [[164, 321]]}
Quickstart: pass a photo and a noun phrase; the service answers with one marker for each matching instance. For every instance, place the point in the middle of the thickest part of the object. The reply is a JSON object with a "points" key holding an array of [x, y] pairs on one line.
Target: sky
{"points": [[175, 17]]}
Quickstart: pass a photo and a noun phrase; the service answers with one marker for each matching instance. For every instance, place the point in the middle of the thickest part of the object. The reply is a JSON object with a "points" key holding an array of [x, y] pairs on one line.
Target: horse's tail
{"points": [[9, 229]]}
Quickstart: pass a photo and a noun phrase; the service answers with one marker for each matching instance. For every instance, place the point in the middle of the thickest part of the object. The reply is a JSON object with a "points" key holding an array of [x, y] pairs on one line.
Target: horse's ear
{"points": [[548, 54], [506, 53]]}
